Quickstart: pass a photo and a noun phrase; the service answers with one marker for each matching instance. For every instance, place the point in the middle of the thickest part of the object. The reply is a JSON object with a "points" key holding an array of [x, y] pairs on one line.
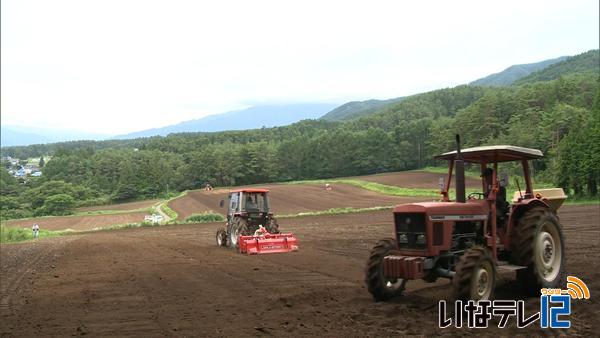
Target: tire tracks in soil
{"points": [[34, 258]]}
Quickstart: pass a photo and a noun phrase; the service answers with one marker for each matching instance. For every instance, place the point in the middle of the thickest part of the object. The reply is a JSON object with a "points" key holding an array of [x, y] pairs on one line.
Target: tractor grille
{"points": [[410, 230], [438, 233]]}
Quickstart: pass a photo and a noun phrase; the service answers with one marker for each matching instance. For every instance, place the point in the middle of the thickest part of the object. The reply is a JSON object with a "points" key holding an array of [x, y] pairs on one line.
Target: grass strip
{"points": [[444, 171], [168, 211], [109, 212], [391, 190], [18, 234], [164, 206], [82, 213], [582, 201], [376, 187], [336, 211], [205, 217]]}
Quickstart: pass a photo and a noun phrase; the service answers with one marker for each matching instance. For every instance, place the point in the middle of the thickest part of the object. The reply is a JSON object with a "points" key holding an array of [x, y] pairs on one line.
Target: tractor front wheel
{"points": [[538, 244], [380, 287], [475, 276]]}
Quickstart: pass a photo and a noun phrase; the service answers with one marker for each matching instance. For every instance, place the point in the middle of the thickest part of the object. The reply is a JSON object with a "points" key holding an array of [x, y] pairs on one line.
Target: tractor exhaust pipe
{"points": [[459, 164]]}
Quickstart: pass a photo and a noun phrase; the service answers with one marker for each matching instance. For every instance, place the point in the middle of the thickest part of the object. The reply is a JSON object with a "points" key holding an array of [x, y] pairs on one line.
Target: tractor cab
{"points": [[248, 202], [493, 195]]}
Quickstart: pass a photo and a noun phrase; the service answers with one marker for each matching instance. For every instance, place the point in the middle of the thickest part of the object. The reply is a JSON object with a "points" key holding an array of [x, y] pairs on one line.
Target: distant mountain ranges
{"points": [[588, 62], [514, 73], [279, 115], [355, 109], [21, 135], [249, 118]]}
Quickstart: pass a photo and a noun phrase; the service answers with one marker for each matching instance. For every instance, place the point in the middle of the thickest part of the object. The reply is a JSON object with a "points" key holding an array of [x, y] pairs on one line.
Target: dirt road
{"points": [[174, 281]]}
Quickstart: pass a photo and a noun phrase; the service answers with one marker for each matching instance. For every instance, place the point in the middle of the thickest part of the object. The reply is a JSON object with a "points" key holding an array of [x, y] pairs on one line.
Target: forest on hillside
{"points": [[561, 117]]}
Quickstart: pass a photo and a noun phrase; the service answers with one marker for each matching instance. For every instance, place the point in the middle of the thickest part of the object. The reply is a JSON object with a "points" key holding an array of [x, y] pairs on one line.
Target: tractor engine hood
{"points": [[476, 209]]}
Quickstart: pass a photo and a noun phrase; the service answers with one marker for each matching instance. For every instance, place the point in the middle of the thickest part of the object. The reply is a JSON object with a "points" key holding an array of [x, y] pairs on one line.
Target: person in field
{"points": [[36, 229]]}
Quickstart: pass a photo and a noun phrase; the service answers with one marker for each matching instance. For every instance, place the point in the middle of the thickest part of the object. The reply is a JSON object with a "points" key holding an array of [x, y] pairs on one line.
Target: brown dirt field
{"points": [[415, 179], [292, 199], [121, 206], [175, 281], [78, 222]]}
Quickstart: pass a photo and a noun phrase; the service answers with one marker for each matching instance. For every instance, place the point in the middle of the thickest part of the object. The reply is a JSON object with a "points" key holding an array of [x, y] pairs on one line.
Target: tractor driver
{"points": [[487, 176], [250, 204], [502, 206]]}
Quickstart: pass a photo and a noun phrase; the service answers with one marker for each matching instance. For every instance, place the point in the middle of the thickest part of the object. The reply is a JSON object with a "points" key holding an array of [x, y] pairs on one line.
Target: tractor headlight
{"points": [[402, 239], [420, 239]]}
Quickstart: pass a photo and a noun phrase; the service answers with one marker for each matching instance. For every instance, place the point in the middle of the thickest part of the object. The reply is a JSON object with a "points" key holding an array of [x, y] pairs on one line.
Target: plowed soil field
{"points": [[78, 222], [292, 199], [121, 206], [174, 281], [415, 179]]}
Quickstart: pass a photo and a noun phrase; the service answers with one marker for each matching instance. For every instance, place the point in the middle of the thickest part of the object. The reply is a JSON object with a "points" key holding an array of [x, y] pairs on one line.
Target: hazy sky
{"points": [[120, 66]]}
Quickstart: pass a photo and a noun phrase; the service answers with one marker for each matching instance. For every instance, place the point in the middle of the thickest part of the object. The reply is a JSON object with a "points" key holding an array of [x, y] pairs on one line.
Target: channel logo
{"points": [[555, 309], [555, 304]]}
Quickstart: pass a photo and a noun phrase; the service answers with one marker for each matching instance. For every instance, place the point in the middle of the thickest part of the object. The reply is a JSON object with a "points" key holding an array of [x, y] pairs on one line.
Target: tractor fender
{"points": [[519, 210]]}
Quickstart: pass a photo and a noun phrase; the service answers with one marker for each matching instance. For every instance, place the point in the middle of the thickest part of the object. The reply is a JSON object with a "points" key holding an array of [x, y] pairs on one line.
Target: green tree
{"points": [[127, 188], [60, 204], [9, 186]]}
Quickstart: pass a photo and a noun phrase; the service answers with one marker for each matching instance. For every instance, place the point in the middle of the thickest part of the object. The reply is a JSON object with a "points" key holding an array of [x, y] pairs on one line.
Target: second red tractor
{"points": [[251, 227], [467, 240]]}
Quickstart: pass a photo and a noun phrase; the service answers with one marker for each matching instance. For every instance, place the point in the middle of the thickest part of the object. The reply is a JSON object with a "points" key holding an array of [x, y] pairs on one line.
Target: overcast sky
{"points": [[121, 66]]}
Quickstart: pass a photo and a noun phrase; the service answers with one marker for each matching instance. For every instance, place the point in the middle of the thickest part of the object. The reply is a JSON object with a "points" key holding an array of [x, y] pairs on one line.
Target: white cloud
{"points": [[120, 66]]}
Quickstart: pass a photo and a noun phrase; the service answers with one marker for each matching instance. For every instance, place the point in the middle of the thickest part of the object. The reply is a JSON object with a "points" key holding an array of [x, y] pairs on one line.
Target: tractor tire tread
{"points": [[523, 245], [373, 273], [461, 282], [222, 233], [239, 226]]}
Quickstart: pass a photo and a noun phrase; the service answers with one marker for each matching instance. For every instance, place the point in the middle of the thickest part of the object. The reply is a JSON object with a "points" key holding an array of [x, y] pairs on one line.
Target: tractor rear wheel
{"points": [[538, 244], [221, 237], [475, 276], [380, 287], [239, 228]]}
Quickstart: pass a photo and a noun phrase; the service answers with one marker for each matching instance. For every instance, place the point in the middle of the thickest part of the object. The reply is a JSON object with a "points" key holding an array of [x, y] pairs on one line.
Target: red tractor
{"points": [[470, 239], [251, 227]]}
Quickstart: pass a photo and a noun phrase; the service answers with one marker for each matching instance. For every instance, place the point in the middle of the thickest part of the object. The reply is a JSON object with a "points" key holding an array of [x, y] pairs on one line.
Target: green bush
{"points": [[11, 208], [15, 213], [205, 217]]}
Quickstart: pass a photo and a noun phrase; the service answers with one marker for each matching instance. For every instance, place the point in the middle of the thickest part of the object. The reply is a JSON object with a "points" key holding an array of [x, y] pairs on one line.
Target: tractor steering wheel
{"points": [[479, 196]]}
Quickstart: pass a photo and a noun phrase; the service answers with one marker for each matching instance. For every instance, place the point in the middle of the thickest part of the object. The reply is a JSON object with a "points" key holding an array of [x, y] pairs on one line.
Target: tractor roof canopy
{"points": [[491, 154], [251, 190]]}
